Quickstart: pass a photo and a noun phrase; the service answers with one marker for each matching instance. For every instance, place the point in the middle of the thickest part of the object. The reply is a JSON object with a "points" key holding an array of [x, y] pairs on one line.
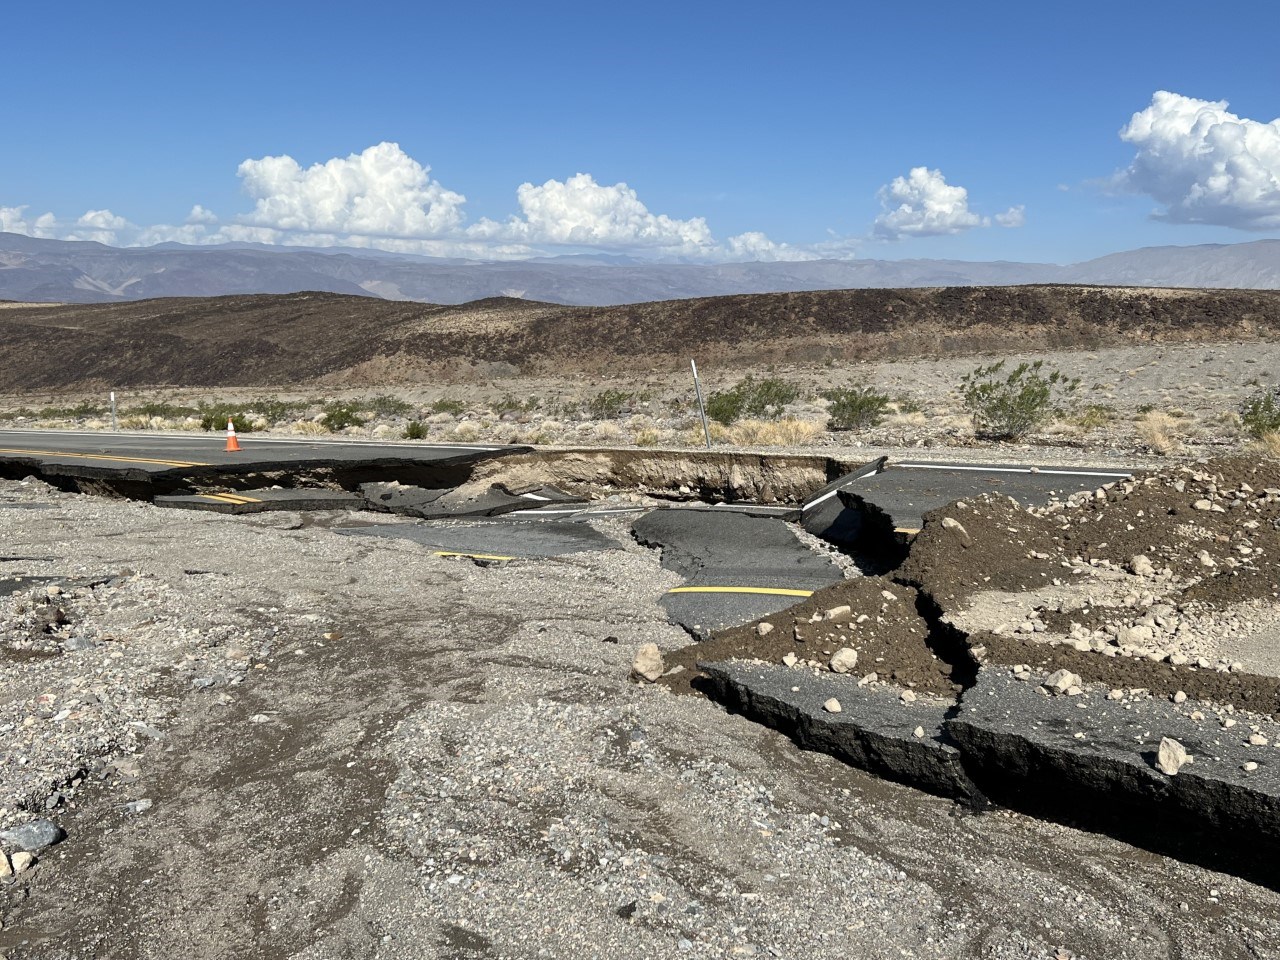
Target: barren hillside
{"points": [[323, 337]]}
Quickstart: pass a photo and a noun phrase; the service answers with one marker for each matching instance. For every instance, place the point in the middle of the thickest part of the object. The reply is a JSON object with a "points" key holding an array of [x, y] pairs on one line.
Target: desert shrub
{"points": [[274, 410], [648, 437], [773, 433], [1012, 405], [855, 408], [608, 404], [1159, 432], [1094, 415], [450, 406], [907, 404], [215, 414], [388, 406], [159, 408], [758, 399], [508, 404], [1267, 445], [1260, 413], [415, 430], [80, 411], [340, 414]]}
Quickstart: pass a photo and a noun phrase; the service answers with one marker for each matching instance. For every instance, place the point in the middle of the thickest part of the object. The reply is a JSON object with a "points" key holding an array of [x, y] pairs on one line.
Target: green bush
{"points": [[1008, 407], [907, 404], [1095, 415], [608, 404], [762, 399], [388, 406], [855, 408], [340, 414], [159, 408], [1260, 414], [415, 430], [450, 406], [214, 416], [81, 411], [274, 410]]}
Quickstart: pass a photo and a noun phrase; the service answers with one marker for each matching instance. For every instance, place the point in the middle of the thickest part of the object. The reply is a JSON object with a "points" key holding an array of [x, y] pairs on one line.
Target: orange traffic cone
{"points": [[232, 443]]}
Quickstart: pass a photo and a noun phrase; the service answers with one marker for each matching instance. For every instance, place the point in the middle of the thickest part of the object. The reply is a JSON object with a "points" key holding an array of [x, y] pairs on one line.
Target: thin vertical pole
{"points": [[702, 410], [113, 410]]}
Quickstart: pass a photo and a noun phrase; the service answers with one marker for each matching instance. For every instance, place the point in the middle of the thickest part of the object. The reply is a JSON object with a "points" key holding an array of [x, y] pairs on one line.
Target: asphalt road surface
{"points": [[143, 455]]}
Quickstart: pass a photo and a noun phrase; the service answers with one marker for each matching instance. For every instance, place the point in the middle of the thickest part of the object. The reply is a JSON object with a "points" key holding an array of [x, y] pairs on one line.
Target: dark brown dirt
{"points": [[1153, 519], [324, 338], [1243, 690], [893, 643]]}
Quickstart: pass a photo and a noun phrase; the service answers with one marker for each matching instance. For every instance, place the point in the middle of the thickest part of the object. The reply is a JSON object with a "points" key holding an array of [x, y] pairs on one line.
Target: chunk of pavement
{"points": [[1060, 681], [957, 530], [1171, 756], [873, 731], [397, 497], [648, 663], [844, 660], [34, 836], [1021, 748]]}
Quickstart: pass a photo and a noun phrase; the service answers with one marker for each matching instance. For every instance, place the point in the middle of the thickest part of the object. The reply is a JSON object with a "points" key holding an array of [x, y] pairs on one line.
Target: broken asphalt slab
{"points": [[874, 730], [1090, 761], [736, 568], [490, 541], [262, 501]]}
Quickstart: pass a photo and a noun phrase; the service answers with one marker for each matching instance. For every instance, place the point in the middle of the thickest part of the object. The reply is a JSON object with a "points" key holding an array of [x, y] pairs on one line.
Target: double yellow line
{"points": [[233, 498]]}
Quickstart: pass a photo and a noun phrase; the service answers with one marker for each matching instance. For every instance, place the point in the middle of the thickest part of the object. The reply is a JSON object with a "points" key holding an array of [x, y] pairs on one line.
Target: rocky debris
{"points": [[648, 663], [1063, 682], [764, 628], [873, 729], [34, 836], [957, 530], [831, 705], [1171, 756], [23, 861], [844, 660]]}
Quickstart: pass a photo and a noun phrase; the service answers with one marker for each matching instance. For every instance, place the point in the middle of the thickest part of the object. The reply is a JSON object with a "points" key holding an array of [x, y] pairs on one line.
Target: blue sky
{"points": [[786, 125]]}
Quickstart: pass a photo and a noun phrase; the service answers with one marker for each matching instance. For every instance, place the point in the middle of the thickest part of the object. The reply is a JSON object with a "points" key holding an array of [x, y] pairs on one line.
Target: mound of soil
{"points": [[893, 642]]}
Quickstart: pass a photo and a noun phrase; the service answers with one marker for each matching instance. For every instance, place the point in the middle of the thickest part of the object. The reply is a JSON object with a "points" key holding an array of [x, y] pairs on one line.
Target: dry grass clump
{"points": [[307, 428], [1159, 431], [911, 419], [607, 432], [648, 437], [1267, 445], [466, 431], [773, 433]]}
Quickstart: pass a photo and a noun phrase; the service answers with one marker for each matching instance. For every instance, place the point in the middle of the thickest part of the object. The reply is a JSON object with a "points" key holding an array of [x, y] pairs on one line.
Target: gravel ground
{"points": [[352, 748]]}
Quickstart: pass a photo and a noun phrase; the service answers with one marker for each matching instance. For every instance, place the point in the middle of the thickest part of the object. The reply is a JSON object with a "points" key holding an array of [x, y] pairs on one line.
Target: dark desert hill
{"points": [[308, 338]]}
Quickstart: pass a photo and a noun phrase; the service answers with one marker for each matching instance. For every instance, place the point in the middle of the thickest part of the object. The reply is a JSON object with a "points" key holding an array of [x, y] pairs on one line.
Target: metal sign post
{"points": [[702, 410], [113, 410]]}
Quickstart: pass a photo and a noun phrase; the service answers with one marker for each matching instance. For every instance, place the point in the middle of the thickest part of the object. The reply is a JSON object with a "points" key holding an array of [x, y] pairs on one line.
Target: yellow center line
{"points": [[772, 591], [229, 498], [99, 456], [908, 530], [472, 556]]}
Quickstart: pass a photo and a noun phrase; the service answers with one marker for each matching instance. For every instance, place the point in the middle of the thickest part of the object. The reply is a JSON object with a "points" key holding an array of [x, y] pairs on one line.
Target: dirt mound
{"points": [[892, 640], [302, 338]]}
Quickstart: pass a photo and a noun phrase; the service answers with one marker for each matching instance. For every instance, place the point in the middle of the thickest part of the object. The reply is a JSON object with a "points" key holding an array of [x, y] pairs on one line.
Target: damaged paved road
{"points": [[736, 568], [354, 748]]}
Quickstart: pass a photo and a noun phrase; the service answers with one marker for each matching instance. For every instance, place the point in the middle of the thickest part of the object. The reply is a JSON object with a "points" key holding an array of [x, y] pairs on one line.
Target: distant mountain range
{"points": [[64, 271]]}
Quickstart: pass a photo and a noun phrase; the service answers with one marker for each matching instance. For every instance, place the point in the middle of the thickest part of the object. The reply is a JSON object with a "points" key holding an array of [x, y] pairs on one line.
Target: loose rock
{"points": [[1171, 756], [648, 663], [844, 660]]}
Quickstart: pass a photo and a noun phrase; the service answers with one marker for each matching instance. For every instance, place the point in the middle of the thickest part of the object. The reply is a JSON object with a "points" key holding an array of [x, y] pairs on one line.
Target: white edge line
{"points": [[1056, 473], [534, 496]]}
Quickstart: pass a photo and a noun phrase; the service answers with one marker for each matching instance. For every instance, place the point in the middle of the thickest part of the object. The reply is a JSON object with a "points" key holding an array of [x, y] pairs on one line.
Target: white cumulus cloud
{"points": [[923, 204], [1205, 164], [582, 213], [1013, 217], [199, 214], [379, 192]]}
